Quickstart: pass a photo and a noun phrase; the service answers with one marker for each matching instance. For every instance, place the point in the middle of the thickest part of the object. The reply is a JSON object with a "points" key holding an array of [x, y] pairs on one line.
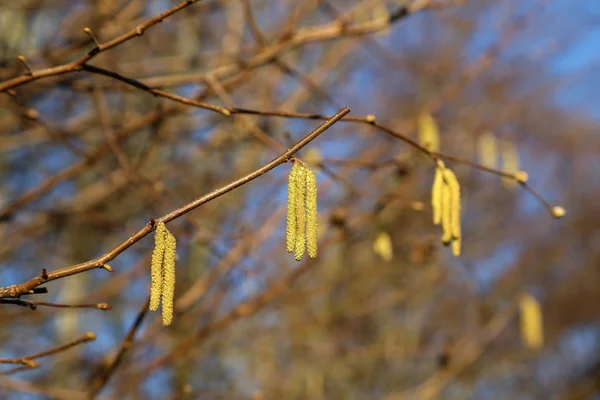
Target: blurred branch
{"points": [[77, 65], [103, 377], [18, 290], [28, 360], [34, 304]]}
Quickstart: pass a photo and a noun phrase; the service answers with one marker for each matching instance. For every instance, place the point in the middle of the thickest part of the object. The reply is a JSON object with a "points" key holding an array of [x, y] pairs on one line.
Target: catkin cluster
{"points": [[445, 202], [302, 223], [163, 272]]}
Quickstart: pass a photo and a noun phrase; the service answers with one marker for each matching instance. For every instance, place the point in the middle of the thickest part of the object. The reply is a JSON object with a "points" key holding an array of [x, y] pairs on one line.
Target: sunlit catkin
{"points": [[488, 149], [454, 187], [311, 214], [157, 265], [168, 290], [436, 193], [300, 207], [446, 214], [510, 162], [429, 136], [290, 233], [532, 327]]}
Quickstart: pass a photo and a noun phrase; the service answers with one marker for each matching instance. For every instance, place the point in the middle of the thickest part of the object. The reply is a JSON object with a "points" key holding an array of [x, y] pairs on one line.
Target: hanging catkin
{"points": [[429, 136], [300, 207], [302, 215], [168, 287], [163, 272], [312, 222], [445, 203], [436, 192], [455, 228], [290, 237], [532, 327], [157, 265], [487, 148]]}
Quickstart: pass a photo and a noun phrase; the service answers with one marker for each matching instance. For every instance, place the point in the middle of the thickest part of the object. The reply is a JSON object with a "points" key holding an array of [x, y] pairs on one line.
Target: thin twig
{"points": [[28, 360], [77, 65], [15, 291], [101, 380]]}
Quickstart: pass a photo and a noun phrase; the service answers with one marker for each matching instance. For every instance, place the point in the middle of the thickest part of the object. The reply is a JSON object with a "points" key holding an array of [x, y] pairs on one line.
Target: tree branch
{"points": [[15, 291]]}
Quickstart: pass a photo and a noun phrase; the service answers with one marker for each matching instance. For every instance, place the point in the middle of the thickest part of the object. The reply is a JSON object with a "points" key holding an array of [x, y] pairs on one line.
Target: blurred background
{"points": [[385, 311]]}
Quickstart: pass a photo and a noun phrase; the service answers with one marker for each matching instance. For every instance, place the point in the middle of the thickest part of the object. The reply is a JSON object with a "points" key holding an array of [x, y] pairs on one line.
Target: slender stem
{"points": [[15, 291]]}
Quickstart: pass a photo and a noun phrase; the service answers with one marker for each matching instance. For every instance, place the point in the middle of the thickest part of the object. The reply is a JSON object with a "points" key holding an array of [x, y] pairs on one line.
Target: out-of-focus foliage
{"points": [[385, 311]]}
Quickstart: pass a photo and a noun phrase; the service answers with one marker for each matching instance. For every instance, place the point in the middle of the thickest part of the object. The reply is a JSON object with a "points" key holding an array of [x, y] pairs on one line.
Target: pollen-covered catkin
{"points": [[454, 187], [429, 136], [446, 214], [168, 290], [290, 233], [300, 207], [311, 213], [532, 326], [157, 265], [510, 162], [488, 149], [436, 193]]}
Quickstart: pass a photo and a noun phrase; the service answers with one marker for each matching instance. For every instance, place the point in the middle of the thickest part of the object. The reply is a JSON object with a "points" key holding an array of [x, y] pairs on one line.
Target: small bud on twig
{"points": [[558, 212], [521, 176], [23, 61], [89, 32], [108, 268]]}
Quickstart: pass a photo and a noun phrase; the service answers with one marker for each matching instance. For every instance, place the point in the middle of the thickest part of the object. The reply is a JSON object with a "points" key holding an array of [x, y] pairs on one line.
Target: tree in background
{"points": [[117, 116]]}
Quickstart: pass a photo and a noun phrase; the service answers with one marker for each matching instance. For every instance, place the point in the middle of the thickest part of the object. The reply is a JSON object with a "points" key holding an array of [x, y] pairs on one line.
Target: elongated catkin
{"points": [[311, 213], [531, 321], [455, 228], [290, 233], [300, 207], [436, 193], [168, 287], [156, 272], [446, 214]]}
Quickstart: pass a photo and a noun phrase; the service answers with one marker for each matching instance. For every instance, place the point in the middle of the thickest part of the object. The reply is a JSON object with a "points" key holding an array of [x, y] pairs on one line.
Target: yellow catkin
{"points": [[446, 214], [454, 186], [436, 193], [168, 292], [488, 149], [429, 136], [290, 233], [312, 222], [157, 265], [510, 162], [300, 207], [532, 328], [382, 245]]}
